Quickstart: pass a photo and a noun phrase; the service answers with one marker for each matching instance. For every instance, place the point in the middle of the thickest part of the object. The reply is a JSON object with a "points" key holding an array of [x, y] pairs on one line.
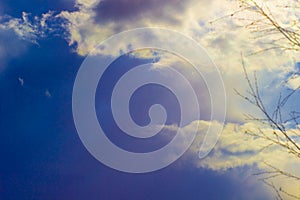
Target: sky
{"points": [[44, 45]]}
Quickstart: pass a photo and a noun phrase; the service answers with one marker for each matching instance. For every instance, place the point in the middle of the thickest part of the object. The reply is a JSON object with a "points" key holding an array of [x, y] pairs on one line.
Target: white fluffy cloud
{"points": [[236, 149]]}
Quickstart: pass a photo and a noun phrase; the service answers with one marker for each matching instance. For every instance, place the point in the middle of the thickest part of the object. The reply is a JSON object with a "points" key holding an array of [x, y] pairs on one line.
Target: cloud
{"points": [[293, 78], [122, 11], [236, 149], [95, 21], [294, 82], [86, 4], [16, 34], [22, 27], [31, 28]]}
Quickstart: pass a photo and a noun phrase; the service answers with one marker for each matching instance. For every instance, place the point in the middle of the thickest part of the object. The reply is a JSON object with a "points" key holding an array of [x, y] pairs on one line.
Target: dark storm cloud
{"points": [[127, 10]]}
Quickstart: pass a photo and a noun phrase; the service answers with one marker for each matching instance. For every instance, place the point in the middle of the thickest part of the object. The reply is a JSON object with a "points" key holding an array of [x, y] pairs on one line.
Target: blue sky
{"points": [[42, 155]]}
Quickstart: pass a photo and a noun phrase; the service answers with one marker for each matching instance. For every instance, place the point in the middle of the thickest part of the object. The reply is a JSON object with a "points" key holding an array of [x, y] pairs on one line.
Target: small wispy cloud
{"points": [[31, 28]]}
